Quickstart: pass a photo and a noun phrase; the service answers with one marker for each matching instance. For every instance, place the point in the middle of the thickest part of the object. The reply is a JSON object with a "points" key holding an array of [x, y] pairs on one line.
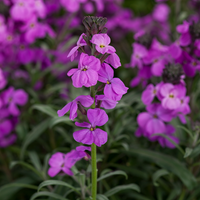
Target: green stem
{"points": [[94, 172], [93, 152]]}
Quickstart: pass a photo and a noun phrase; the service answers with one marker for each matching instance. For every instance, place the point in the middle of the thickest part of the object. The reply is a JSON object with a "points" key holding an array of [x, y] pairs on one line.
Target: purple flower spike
{"points": [[114, 88], [102, 42], [74, 52], [60, 161], [87, 72], [85, 100], [96, 117], [14, 98]]}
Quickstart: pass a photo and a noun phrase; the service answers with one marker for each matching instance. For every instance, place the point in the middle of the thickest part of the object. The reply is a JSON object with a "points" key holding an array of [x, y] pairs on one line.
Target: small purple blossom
{"points": [[114, 88], [92, 134], [102, 42], [87, 72], [105, 102], [85, 100]]}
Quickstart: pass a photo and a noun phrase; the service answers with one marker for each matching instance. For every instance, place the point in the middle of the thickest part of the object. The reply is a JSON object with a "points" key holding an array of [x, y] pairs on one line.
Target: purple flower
{"points": [[96, 117], [170, 96], [161, 12], [149, 94], [114, 88], [72, 5], [74, 52], [80, 153], [87, 72], [152, 121], [102, 42], [60, 161], [139, 52], [105, 102], [13, 98], [85, 100]]}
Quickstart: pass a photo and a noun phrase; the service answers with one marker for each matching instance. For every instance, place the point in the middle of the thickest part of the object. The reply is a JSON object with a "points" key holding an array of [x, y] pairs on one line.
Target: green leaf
{"points": [[56, 182], [118, 172], [34, 134], [188, 152], [35, 160], [27, 166], [57, 120], [158, 174], [101, 197], [186, 130], [49, 194], [122, 187], [169, 163], [45, 109], [195, 152]]}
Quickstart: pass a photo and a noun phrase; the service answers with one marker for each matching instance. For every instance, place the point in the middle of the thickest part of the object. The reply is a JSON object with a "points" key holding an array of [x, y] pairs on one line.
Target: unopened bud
{"points": [[94, 29], [101, 87], [104, 30], [81, 109]]}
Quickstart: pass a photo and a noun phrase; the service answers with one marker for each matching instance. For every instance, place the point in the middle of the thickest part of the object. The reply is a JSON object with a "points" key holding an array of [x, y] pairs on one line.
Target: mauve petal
{"points": [[83, 124], [164, 114], [110, 49], [5, 127], [107, 103], [169, 144], [97, 39], [72, 52], [84, 136], [73, 110], [139, 132], [71, 72], [67, 171], [113, 60], [183, 28], [57, 160], [53, 171], [175, 51], [182, 119], [118, 86], [102, 79], [166, 88], [85, 100], [106, 71], [143, 119], [157, 68], [81, 41], [155, 126], [185, 39], [64, 110], [100, 137], [148, 95], [97, 117], [20, 97], [13, 109], [135, 81], [92, 77], [83, 148], [106, 39], [92, 62], [76, 79], [171, 103]]}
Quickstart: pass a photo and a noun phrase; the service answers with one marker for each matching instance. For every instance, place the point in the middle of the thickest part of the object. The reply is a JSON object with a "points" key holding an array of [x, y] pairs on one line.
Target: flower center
{"points": [[155, 116], [102, 46], [182, 101], [154, 91], [20, 4], [84, 68], [92, 128], [171, 96], [63, 165], [155, 61], [137, 56], [32, 25], [194, 63], [9, 38], [108, 82]]}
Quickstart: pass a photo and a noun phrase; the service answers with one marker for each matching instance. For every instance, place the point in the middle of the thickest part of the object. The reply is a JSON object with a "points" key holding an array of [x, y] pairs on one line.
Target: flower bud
{"points": [[172, 73]]}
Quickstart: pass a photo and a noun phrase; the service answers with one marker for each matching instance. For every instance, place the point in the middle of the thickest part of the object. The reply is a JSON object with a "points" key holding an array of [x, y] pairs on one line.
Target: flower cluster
{"points": [[167, 99], [10, 99], [91, 69]]}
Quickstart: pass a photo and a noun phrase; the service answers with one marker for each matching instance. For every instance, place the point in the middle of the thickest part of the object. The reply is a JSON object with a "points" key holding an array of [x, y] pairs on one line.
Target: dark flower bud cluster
{"points": [[94, 25], [172, 73], [145, 40]]}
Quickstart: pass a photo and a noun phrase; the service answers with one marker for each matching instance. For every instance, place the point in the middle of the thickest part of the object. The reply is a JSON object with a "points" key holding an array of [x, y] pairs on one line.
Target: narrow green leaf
{"points": [[101, 197], [34, 134], [57, 120], [122, 187], [35, 160], [169, 163], [186, 130], [196, 151], [118, 172], [158, 174], [188, 152], [27, 166], [49, 194], [45, 109], [56, 182]]}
